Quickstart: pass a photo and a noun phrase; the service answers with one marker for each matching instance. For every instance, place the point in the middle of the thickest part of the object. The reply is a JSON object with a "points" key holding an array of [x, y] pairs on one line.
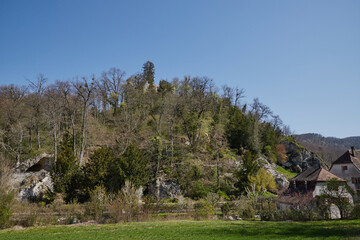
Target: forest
{"points": [[108, 131]]}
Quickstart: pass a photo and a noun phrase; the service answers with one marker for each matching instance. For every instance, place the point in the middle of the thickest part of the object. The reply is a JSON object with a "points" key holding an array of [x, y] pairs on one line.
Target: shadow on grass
{"points": [[278, 230]]}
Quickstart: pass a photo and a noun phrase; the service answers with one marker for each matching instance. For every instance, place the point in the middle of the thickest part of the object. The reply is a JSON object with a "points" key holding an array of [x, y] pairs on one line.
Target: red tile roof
{"points": [[318, 175]]}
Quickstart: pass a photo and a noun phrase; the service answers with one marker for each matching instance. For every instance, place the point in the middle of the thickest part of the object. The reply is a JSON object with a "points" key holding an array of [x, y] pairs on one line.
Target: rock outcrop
{"points": [[280, 179], [165, 188], [33, 185], [32, 177], [42, 161], [299, 158]]}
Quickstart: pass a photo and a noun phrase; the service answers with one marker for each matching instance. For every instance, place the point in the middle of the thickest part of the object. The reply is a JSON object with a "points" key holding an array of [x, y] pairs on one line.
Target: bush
{"points": [[126, 206], [289, 214], [243, 208], [6, 195], [32, 214], [203, 210], [355, 213], [199, 190], [225, 208], [98, 202], [6, 201]]}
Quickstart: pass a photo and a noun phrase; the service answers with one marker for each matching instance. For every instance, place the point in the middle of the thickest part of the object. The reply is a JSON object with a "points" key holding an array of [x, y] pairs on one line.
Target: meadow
{"points": [[339, 229]]}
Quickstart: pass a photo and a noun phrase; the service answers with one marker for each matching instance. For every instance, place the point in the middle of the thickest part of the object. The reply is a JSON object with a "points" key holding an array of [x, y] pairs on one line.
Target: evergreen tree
{"points": [[149, 73], [96, 169], [248, 169], [131, 166], [65, 165]]}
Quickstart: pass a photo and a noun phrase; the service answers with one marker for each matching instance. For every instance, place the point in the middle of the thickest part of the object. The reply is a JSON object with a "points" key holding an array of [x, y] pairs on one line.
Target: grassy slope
{"points": [[194, 230], [287, 173]]}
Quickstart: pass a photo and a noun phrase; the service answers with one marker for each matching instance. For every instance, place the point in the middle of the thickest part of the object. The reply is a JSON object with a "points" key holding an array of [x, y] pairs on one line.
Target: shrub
{"points": [[225, 208], [199, 190], [212, 198], [127, 203], [289, 214], [203, 210], [32, 215], [6, 201], [355, 213], [98, 202], [243, 208], [223, 196]]}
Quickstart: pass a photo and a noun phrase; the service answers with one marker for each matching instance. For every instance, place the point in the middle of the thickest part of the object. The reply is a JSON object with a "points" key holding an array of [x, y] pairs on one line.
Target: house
{"points": [[304, 188], [347, 167]]}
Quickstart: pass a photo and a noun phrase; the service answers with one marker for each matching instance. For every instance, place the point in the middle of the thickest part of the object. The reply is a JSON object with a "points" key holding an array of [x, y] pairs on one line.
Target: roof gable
{"points": [[349, 157], [317, 175]]}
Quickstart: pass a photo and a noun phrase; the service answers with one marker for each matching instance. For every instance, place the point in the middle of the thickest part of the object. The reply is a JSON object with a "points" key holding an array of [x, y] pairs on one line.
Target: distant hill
{"points": [[329, 148]]}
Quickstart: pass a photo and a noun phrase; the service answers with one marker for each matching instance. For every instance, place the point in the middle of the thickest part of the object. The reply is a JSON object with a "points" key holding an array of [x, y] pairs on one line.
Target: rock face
{"points": [[33, 185], [299, 158], [43, 161], [164, 188], [32, 177], [280, 179]]}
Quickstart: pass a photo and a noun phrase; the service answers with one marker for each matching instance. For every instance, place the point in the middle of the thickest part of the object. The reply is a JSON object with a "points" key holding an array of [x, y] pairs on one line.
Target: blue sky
{"points": [[301, 58]]}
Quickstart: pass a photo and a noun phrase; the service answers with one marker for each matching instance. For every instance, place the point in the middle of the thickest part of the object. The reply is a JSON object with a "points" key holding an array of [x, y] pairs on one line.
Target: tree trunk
{"points": [[73, 132], [83, 135], [30, 139], [172, 144], [19, 150], [38, 137], [55, 142], [217, 166]]}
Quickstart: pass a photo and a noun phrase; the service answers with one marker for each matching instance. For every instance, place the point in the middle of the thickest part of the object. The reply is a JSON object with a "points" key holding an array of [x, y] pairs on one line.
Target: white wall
{"points": [[351, 172], [321, 187]]}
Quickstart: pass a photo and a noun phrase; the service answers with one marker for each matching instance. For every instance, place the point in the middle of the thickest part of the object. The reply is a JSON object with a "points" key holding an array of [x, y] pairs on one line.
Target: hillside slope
{"points": [[329, 148]]}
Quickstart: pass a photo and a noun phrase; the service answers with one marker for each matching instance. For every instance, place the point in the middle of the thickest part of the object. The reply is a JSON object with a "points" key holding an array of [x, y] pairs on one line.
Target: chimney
{"points": [[353, 151]]}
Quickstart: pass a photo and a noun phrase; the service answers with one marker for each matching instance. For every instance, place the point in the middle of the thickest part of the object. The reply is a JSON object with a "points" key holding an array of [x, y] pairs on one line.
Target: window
{"points": [[352, 180], [344, 168]]}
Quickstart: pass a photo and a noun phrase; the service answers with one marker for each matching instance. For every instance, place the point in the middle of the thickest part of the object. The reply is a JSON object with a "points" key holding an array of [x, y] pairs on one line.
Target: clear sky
{"points": [[301, 58]]}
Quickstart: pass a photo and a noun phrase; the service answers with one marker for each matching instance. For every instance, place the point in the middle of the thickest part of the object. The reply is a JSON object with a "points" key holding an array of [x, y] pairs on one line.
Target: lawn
{"points": [[194, 230]]}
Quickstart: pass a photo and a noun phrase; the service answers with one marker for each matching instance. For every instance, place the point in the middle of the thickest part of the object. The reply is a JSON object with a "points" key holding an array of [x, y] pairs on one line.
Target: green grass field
{"points": [[194, 230]]}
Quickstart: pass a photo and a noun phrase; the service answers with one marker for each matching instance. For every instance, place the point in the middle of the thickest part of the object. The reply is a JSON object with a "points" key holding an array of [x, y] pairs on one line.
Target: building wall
{"points": [[351, 172], [321, 188]]}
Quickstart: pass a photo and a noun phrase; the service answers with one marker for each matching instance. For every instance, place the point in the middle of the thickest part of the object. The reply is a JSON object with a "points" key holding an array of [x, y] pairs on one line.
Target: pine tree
{"points": [[149, 73], [65, 165]]}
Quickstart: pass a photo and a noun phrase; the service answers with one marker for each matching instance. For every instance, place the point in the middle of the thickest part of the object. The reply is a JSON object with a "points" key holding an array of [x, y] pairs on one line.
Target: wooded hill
{"points": [[330, 148], [109, 129]]}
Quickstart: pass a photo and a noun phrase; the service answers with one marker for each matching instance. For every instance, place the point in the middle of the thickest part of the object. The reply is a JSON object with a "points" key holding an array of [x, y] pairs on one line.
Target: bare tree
{"points": [[12, 133], [38, 88], [85, 90], [70, 103], [113, 81], [239, 94], [276, 121], [260, 110], [53, 113]]}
